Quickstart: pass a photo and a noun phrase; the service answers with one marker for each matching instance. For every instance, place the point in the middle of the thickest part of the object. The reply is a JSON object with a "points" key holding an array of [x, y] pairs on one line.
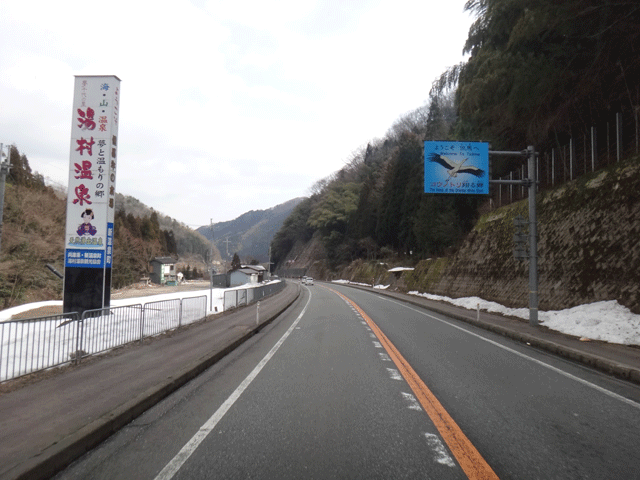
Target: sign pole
{"points": [[462, 168], [533, 239], [532, 184]]}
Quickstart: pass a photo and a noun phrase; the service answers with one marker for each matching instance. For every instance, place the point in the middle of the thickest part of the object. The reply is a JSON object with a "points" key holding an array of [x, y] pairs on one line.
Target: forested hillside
{"points": [[539, 73], [33, 237], [250, 234]]}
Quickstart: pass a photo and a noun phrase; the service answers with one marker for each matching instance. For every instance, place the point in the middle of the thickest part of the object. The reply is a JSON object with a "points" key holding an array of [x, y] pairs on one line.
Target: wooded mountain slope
{"points": [[588, 250], [538, 72], [250, 234]]}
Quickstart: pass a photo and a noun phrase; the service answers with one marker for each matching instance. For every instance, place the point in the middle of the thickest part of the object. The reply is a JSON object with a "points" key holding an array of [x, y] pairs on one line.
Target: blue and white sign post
{"points": [[463, 168], [456, 167]]}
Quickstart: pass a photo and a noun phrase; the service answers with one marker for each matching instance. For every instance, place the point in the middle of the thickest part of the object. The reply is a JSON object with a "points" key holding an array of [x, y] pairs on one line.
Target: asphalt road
{"points": [[362, 386]]}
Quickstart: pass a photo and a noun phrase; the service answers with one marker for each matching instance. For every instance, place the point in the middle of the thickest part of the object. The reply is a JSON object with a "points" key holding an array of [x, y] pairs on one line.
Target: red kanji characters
{"points": [[82, 195], [85, 145], [86, 120], [84, 170]]}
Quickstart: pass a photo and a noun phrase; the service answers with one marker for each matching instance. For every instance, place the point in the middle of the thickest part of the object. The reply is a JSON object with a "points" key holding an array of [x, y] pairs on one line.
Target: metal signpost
{"points": [[462, 168], [520, 251]]}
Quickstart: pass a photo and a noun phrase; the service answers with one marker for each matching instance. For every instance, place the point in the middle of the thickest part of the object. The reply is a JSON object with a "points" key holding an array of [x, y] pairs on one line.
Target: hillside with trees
{"points": [[250, 234], [540, 73], [33, 237]]}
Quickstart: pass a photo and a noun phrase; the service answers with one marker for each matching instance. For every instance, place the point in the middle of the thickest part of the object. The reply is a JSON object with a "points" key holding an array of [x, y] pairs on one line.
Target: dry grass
{"points": [[32, 237]]}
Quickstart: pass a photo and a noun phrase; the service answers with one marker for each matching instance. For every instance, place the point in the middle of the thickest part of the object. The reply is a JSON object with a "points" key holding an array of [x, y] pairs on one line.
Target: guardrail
{"points": [[34, 344], [246, 296]]}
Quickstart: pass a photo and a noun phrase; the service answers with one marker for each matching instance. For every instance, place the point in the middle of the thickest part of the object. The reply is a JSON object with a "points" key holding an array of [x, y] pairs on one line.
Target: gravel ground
{"points": [[133, 291]]}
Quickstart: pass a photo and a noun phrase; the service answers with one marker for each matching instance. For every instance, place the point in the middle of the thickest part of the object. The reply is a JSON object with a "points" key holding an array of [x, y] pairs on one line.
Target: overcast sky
{"points": [[225, 106]]}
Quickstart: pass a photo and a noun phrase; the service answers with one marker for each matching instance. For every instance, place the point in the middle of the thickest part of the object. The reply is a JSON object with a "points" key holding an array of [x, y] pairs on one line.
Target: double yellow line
{"points": [[468, 457]]}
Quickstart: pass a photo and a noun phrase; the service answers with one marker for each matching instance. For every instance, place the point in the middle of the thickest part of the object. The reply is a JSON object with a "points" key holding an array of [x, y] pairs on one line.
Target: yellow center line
{"points": [[470, 460]]}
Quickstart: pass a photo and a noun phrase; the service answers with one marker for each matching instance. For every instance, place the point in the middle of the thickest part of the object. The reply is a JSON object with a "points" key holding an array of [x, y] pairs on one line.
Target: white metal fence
{"points": [[245, 296], [30, 345], [34, 344]]}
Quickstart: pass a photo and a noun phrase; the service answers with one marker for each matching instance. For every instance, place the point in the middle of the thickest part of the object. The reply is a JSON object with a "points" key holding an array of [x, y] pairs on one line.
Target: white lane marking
{"points": [[384, 357], [524, 355], [363, 322], [439, 449], [373, 335], [394, 374], [176, 463], [377, 344], [411, 400]]}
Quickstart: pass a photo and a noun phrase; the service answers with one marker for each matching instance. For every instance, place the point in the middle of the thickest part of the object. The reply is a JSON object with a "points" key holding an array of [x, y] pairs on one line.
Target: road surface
{"points": [[350, 384]]}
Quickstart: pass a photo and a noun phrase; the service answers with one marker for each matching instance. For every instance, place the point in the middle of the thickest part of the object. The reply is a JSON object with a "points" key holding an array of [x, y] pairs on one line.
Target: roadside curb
{"points": [[58, 456], [601, 364]]}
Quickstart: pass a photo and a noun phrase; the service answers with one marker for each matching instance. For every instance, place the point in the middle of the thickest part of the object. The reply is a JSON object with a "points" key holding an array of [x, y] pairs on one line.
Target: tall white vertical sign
{"points": [[93, 162], [92, 172]]}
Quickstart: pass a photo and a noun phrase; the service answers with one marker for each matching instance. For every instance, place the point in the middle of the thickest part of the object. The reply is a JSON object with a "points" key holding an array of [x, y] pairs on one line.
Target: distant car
{"points": [[309, 281]]}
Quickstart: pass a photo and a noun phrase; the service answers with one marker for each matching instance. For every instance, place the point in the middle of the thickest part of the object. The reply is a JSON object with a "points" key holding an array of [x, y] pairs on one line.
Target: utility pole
{"points": [[4, 170], [211, 232]]}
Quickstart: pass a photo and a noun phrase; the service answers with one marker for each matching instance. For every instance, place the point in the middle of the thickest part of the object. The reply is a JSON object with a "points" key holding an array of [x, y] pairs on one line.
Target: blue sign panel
{"points": [[456, 167], [79, 257], [90, 252]]}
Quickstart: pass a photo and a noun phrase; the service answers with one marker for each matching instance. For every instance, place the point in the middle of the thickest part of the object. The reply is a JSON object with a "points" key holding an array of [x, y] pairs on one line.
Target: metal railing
{"points": [[36, 344], [30, 345], [246, 296]]}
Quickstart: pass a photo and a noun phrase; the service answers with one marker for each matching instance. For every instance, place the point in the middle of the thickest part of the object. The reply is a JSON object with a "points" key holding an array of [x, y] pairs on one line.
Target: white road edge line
{"points": [[176, 463], [523, 355]]}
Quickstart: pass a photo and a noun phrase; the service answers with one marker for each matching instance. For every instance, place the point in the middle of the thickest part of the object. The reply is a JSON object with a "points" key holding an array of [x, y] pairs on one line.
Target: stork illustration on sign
{"points": [[454, 168]]}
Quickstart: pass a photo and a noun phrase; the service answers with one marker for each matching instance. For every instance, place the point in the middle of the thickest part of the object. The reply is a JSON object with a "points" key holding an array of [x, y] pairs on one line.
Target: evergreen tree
{"points": [[235, 262], [542, 69], [170, 241]]}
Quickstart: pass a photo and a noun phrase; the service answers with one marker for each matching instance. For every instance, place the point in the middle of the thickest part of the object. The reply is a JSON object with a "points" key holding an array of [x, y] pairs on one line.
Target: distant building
{"points": [[220, 280], [251, 274], [164, 271]]}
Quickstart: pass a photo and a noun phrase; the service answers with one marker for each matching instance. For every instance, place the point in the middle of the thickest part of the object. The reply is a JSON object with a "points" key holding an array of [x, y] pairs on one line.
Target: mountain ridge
{"points": [[250, 234]]}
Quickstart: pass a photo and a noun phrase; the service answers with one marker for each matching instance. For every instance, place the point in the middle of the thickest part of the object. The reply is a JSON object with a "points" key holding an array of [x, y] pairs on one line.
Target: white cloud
{"points": [[218, 95]]}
